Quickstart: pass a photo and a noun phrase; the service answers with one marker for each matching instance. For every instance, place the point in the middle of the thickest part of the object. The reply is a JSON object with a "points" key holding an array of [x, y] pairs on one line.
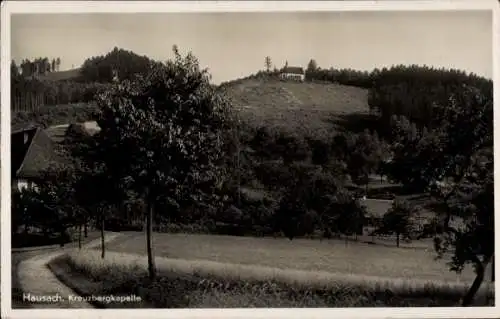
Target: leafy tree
{"points": [[56, 201], [312, 68], [291, 213], [320, 151], [350, 214], [410, 146], [308, 202], [364, 157], [455, 160], [125, 63], [290, 147], [399, 220], [341, 214], [162, 135]]}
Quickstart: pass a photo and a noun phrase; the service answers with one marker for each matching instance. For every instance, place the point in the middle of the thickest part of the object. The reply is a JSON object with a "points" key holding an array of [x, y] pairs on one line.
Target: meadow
{"points": [[332, 256], [207, 271]]}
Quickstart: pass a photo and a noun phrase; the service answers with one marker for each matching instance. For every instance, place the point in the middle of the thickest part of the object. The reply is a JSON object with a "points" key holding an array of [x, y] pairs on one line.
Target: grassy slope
{"points": [[62, 75], [299, 107], [331, 256], [303, 107]]}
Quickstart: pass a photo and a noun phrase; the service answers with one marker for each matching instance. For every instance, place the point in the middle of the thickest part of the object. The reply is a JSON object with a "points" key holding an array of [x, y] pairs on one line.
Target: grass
{"points": [[313, 255], [299, 107], [208, 284], [66, 75]]}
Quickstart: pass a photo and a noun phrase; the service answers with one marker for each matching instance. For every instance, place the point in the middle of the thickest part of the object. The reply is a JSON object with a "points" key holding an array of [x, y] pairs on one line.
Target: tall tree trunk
{"points": [[80, 236], [103, 247], [86, 229], [62, 237], [149, 241], [397, 240], [469, 297]]}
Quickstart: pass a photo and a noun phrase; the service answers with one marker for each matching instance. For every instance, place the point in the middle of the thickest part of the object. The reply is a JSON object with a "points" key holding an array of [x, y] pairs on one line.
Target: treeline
{"points": [[36, 67], [30, 91], [417, 92], [121, 63], [32, 95]]}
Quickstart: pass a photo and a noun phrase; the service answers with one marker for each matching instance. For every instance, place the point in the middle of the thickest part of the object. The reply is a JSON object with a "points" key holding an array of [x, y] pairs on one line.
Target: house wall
{"points": [[21, 184], [291, 76]]}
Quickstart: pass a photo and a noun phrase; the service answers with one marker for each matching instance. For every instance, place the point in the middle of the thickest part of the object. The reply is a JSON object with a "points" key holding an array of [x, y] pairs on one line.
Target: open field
{"points": [[193, 276], [313, 255], [305, 107]]}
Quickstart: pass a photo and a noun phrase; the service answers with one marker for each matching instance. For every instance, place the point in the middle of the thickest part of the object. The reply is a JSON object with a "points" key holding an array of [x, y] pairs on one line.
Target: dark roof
{"points": [[29, 159], [57, 132], [14, 128], [293, 70]]}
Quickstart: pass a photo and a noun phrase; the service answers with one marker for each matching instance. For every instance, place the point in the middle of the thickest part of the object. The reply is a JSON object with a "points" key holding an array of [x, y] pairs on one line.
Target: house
{"points": [[32, 152], [292, 73]]}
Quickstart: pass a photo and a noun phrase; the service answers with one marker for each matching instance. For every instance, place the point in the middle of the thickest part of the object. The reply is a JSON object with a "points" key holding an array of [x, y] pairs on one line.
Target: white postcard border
{"points": [[38, 7]]}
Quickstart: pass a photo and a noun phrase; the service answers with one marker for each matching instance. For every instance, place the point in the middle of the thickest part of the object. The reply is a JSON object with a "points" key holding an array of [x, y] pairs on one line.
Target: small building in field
{"points": [[295, 73], [32, 152]]}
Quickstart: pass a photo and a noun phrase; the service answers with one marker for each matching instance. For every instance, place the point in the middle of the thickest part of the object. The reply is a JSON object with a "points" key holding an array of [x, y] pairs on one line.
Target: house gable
{"points": [[36, 158], [20, 143]]}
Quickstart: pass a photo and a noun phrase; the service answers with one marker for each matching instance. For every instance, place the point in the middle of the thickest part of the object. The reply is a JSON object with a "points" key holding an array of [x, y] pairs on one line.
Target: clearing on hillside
{"points": [[328, 255], [311, 108], [66, 75]]}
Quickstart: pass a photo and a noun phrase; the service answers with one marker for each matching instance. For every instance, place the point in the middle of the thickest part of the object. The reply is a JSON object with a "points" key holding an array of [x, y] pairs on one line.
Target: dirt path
{"points": [[35, 279]]}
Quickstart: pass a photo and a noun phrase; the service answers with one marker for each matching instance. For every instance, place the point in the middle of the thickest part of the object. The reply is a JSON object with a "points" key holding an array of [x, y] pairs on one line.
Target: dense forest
{"points": [[32, 86]]}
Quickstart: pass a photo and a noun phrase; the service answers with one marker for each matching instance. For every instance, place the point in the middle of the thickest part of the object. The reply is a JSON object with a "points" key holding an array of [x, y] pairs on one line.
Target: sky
{"points": [[234, 45]]}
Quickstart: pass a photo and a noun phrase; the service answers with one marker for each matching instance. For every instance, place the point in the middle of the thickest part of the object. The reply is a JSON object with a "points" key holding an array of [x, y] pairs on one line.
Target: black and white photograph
{"points": [[251, 159]]}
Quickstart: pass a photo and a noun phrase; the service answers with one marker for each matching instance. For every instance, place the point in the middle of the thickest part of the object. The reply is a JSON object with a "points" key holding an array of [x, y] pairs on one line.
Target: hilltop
{"points": [[312, 108]]}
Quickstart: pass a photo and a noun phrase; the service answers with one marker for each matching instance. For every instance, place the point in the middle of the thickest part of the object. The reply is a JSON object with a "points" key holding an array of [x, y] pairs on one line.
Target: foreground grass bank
{"points": [[208, 284]]}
